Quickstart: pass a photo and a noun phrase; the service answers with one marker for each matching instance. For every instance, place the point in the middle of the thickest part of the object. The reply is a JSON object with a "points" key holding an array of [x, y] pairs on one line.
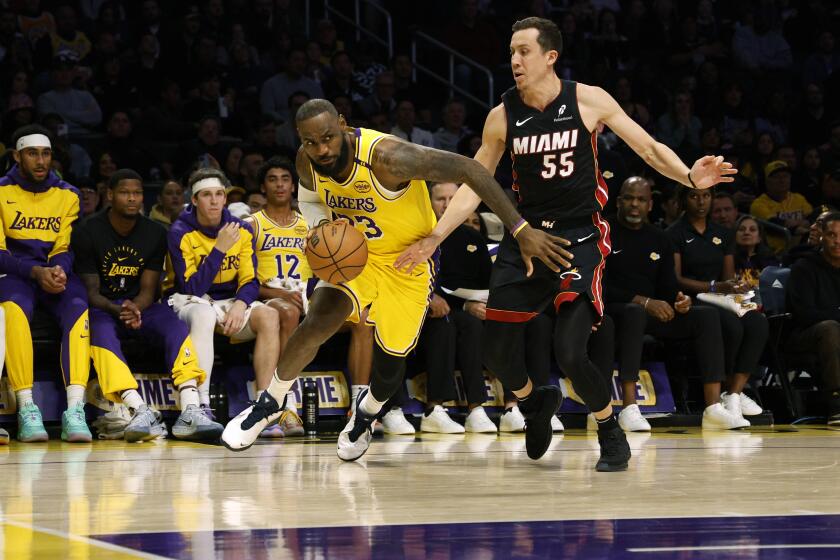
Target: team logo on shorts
{"points": [[300, 230], [716, 240], [361, 186], [654, 256], [566, 278]]}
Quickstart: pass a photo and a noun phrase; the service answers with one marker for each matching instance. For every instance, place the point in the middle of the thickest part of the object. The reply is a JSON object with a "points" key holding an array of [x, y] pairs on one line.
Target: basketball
{"points": [[336, 252]]}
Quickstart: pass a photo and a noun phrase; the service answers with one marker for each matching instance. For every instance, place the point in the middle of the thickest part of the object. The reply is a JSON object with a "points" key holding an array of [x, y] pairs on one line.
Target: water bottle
{"points": [[310, 409]]}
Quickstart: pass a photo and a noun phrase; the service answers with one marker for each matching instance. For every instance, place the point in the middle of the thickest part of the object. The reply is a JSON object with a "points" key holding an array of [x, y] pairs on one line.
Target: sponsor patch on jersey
{"points": [[361, 186], [300, 230]]}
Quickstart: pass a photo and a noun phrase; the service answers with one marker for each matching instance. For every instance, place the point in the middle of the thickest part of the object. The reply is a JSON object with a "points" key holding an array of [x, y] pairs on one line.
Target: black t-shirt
{"points": [[701, 254], [119, 261], [464, 263], [641, 264]]}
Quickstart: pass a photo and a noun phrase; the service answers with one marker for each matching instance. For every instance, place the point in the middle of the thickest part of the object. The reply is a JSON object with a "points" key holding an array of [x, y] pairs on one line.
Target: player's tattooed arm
{"points": [[96, 299], [396, 161]]}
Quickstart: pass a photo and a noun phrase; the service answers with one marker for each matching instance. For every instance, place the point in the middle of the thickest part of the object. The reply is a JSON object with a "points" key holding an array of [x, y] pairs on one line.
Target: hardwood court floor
{"points": [[428, 496]]}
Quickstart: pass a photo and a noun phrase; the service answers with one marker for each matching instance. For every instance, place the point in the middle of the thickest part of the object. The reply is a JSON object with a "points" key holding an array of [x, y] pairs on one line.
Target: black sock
{"points": [[527, 404], [607, 424]]}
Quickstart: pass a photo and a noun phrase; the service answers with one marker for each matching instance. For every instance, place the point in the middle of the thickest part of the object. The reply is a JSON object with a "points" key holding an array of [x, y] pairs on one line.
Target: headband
{"points": [[33, 141], [208, 183]]}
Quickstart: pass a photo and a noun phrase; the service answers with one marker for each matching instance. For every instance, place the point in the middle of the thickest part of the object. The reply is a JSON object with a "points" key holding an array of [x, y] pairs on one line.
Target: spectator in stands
{"points": [[170, 204], [808, 178], [34, 22], [405, 129], [282, 271], [119, 257], [256, 201], [704, 263], [780, 206], [454, 128], [147, 70], [265, 139], [77, 107], [244, 74], [275, 92], [724, 212], [65, 39], [90, 200], [679, 128], [831, 189], [670, 206], [765, 148], [752, 255], [122, 144], [36, 267], [328, 41], [452, 332], [80, 161], [342, 81], [822, 62], [316, 69], [213, 257], [382, 99], [470, 34], [758, 44], [207, 141], [112, 89], [642, 296], [634, 109], [165, 120], [287, 134], [235, 194], [809, 123], [249, 169], [813, 297], [106, 164]]}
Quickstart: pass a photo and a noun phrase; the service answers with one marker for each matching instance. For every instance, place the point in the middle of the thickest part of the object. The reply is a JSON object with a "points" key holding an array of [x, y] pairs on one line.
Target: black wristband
{"points": [[693, 186]]}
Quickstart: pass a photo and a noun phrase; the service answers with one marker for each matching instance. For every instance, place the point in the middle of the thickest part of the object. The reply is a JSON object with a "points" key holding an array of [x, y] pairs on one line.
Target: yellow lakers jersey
{"points": [[280, 248], [390, 221]]}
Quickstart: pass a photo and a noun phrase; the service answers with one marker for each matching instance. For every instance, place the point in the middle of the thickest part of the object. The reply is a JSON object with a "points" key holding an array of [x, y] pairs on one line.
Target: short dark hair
{"points": [[833, 216], [30, 129], [207, 173], [724, 194], [313, 108], [276, 162], [549, 37], [123, 175]]}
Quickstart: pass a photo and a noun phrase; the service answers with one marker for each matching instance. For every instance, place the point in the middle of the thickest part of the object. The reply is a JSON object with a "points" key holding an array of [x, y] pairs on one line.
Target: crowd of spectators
{"points": [[166, 87]]}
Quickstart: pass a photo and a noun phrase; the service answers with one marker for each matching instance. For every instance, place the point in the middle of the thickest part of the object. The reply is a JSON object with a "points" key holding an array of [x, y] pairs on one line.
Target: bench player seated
{"points": [[282, 271], [37, 216], [215, 285], [119, 256]]}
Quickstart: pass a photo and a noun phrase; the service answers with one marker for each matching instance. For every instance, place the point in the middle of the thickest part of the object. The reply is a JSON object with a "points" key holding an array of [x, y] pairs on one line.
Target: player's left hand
{"points": [[130, 314], [708, 171], [548, 248], [683, 303], [417, 253], [235, 318], [58, 275]]}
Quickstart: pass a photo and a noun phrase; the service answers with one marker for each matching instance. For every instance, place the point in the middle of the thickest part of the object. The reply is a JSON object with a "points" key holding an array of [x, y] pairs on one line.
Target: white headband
{"points": [[33, 141], [208, 183]]}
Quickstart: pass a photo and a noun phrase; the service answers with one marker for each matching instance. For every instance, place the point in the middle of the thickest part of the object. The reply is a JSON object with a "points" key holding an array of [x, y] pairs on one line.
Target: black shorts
{"points": [[517, 298]]}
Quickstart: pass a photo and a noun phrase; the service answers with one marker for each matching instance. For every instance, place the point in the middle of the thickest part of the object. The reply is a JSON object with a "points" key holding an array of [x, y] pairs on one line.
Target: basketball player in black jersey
{"points": [[549, 127]]}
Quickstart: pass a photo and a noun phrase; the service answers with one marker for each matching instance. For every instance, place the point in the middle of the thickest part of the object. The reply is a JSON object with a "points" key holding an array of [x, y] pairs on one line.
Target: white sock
{"points": [[291, 401], [132, 399], [279, 387], [370, 405], [204, 392], [75, 395], [188, 394], [354, 395], [24, 397]]}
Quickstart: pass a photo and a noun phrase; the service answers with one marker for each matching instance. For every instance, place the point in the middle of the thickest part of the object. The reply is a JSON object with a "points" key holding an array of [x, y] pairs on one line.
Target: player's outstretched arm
{"points": [[396, 161], [706, 172]]}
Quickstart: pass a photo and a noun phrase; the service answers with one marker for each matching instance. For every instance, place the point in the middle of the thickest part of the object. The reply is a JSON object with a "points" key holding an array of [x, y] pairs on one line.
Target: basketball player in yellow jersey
{"points": [[377, 183]]}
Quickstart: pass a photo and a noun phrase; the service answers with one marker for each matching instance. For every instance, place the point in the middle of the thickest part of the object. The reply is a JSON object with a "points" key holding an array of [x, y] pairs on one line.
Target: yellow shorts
{"points": [[398, 302]]}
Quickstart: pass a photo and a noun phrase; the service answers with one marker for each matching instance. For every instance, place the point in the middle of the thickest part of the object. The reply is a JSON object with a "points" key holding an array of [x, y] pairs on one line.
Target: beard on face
{"points": [[340, 162]]}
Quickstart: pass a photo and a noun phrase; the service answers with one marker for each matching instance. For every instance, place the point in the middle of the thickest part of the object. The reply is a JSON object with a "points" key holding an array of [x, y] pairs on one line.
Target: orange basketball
{"points": [[337, 252]]}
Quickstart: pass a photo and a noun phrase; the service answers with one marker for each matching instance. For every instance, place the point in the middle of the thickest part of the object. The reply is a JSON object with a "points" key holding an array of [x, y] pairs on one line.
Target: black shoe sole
{"points": [[548, 407], [606, 467]]}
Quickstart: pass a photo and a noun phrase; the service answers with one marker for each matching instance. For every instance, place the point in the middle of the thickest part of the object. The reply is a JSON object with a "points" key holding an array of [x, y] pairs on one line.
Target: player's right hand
{"points": [[660, 310], [47, 280], [311, 231], [227, 237], [548, 248], [417, 253]]}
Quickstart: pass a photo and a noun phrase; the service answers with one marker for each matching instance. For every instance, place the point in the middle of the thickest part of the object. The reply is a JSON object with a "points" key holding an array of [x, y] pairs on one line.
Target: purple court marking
{"points": [[806, 537]]}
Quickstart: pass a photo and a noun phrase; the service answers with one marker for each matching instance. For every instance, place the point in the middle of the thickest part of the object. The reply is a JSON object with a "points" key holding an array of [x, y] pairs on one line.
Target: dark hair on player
{"points": [[276, 162], [549, 38], [123, 175], [313, 108]]}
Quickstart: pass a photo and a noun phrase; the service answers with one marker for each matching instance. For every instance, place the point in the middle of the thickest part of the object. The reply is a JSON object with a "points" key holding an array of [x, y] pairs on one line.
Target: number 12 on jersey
{"points": [[292, 271], [560, 164]]}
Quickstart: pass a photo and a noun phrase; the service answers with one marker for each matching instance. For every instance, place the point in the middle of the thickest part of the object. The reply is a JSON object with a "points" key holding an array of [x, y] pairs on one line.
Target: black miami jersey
{"points": [[555, 159]]}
